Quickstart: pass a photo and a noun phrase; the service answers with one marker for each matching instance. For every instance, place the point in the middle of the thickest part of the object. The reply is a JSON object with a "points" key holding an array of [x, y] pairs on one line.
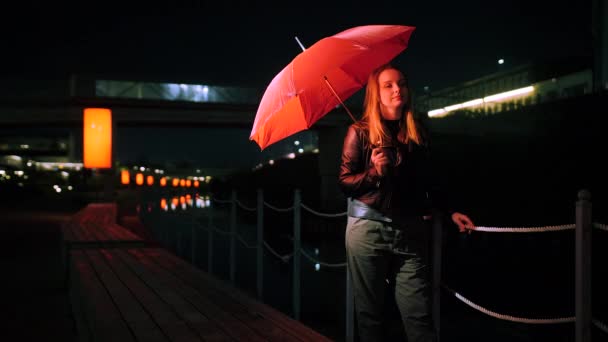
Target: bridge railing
{"points": [[583, 231]]}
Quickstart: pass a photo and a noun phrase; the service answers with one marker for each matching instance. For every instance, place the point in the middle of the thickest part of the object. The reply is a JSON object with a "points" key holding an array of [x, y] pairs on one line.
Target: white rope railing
{"points": [[222, 232], [596, 225], [220, 201], [523, 229], [509, 317], [241, 240], [297, 221], [600, 226], [600, 325], [285, 258], [305, 207], [277, 208], [244, 206], [315, 261]]}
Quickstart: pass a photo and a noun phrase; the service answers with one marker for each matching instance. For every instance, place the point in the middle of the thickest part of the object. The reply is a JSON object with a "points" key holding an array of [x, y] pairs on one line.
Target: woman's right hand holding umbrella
{"points": [[380, 160]]}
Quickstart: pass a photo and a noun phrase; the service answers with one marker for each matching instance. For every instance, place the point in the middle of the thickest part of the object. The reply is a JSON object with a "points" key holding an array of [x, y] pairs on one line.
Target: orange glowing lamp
{"points": [[139, 179], [125, 178], [163, 181], [175, 181], [196, 184], [182, 199], [182, 182], [163, 203], [188, 183], [174, 201], [97, 133], [150, 180]]}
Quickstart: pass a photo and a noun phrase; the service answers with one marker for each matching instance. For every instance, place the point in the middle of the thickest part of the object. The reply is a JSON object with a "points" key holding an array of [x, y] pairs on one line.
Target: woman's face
{"points": [[393, 93]]}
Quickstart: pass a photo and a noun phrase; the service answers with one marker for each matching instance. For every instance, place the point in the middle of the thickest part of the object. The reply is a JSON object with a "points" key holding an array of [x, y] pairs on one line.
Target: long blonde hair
{"points": [[409, 129]]}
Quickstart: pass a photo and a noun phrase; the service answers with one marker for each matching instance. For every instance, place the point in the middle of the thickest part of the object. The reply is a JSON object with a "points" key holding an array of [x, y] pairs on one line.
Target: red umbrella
{"points": [[322, 76]]}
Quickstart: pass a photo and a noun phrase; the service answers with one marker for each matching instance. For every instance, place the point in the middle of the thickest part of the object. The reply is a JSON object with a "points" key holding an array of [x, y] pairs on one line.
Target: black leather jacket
{"points": [[405, 191]]}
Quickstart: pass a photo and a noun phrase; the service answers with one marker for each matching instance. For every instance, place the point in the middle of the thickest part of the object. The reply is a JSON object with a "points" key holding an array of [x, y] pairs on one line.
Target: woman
{"points": [[385, 172]]}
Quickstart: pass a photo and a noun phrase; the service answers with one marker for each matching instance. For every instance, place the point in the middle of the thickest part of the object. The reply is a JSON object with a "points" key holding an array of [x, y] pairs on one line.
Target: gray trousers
{"points": [[378, 252]]}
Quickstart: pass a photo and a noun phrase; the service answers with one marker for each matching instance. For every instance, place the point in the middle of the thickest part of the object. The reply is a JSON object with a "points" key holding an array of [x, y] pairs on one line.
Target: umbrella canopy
{"points": [[322, 76]]}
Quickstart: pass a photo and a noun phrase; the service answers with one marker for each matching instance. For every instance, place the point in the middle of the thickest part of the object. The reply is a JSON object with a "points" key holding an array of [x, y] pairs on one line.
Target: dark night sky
{"points": [[246, 43]]}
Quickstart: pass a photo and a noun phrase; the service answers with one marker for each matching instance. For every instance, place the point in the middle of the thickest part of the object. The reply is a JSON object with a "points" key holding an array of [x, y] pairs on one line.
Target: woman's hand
{"points": [[380, 161], [463, 222]]}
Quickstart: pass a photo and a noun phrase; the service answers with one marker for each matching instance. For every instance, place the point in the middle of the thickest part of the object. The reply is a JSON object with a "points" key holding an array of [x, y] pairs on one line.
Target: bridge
{"points": [[34, 102]]}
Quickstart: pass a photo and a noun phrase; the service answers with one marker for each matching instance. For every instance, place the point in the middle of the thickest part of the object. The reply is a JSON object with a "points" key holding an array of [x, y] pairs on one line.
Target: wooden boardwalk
{"points": [[121, 290], [95, 226]]}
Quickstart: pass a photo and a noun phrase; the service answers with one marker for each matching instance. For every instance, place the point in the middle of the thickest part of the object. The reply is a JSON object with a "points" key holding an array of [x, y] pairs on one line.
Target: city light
{"points": [[97, 134], [124, 177], [508, 94], [139, 179], [477, 102]]}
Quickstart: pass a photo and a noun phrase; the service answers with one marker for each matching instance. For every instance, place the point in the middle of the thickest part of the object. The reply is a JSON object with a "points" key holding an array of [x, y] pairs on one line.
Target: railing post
{"points": [[436, 269], [178, 240], [260, 249], [233, 236], [296, 254], [583, 267], [193, 241], [210, 240], [163, 233]]}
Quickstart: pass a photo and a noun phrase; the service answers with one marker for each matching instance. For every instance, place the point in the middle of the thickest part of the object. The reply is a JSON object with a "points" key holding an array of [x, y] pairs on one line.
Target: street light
{"points": [[501, 61]]}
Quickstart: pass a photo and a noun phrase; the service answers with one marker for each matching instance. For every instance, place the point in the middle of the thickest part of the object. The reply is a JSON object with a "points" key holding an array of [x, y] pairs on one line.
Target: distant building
{"points": [[509, 90]]}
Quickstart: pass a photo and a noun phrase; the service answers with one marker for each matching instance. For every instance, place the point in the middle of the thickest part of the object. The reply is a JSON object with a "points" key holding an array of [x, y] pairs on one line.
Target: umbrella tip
{"points": [[300, 43]]}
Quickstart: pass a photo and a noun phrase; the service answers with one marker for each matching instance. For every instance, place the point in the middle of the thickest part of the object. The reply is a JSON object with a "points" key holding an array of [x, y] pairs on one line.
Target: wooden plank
{"points": [[76, 233], [121, 233], [134, 280], [138, 320], [95, 234], [86, 235], [94, 231], [107, 234], [76, 296], [225, 320], [227, 295], [104, 212], [280, 319], [170, 324], [207, 329], [102, 316]]}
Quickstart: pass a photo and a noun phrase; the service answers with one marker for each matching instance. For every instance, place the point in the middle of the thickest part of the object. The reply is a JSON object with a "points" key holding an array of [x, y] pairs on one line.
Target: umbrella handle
{"points": [[339, 99]]}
